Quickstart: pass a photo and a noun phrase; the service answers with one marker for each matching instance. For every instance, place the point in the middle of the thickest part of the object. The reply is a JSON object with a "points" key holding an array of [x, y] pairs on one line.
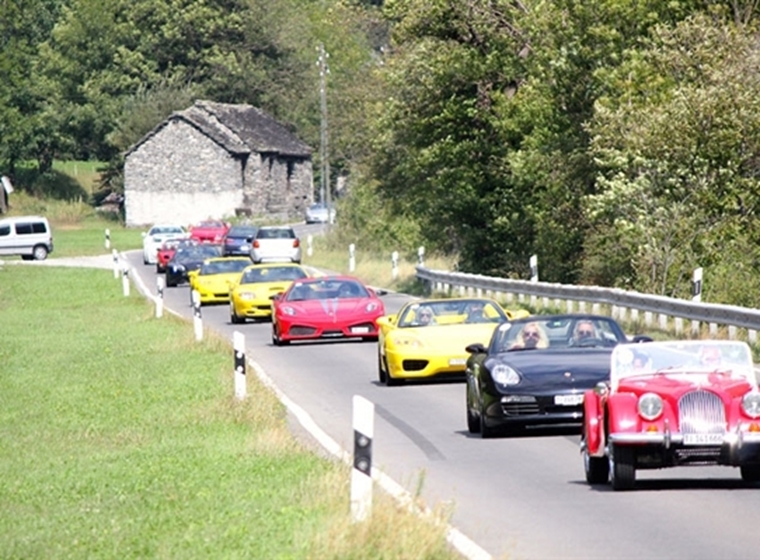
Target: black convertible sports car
{"points": [[536, 369], [189, 258]]}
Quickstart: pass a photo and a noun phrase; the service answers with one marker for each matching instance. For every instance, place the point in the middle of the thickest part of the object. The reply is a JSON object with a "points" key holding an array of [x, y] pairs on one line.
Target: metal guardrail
{"points": [[621, 301]]}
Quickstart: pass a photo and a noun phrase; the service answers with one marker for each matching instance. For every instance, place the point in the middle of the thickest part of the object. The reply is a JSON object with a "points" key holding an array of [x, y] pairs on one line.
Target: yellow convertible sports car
{"points": [[427, 338], [251, 297], [212, 280]]}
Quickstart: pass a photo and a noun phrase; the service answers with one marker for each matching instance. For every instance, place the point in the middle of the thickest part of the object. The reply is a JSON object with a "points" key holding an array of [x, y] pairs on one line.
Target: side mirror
{"points": [[602, 388], [381, 291], [276, 297], [476, 348], [642, 338]]}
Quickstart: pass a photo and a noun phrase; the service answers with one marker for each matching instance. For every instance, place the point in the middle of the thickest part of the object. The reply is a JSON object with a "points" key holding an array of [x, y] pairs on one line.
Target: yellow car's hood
{"points": [[216, 281], [447, 339]]}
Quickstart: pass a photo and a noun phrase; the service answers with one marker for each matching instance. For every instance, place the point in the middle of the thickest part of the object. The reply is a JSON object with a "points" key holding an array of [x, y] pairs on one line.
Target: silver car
{"points": [[318, 214], [276, 244]]}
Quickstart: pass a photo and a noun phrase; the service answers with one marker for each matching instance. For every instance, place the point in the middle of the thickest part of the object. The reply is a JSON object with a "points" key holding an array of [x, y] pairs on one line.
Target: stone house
{"points": [[216, 160]]}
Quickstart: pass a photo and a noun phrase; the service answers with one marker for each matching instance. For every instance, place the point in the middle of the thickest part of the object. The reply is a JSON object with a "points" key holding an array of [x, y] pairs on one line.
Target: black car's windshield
{"points": [[223, 266], [197, 252], [557, 332]]}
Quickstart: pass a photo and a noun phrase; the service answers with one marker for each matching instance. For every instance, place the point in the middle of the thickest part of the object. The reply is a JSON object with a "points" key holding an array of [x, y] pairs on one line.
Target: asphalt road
{"points": [[519, 497]]}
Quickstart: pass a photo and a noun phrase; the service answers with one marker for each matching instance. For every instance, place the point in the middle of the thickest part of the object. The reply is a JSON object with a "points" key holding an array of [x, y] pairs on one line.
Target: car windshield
{"points": [[258, 274], [450, 312], [327, 289], [279, 233], [161, 230], [242, 231], [693, 359], [557, 332], [224, 266], [198, 252]]}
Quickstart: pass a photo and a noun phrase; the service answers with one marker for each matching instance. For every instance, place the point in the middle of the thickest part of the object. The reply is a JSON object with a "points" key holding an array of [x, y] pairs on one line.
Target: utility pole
{"points": [[324, 154]]}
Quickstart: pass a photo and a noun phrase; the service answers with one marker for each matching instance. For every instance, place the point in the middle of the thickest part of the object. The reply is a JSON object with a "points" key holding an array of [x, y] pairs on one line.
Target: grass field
{"points": [[121, 439]]}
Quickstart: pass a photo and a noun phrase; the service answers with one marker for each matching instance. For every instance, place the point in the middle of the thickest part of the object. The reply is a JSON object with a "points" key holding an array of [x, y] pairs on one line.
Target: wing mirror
{"points": [[642, 338], [476, 348], [602, 389]]}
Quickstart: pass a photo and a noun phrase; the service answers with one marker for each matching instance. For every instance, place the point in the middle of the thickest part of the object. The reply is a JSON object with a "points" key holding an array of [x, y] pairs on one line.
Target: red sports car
{"points": [[326, 307], [209, 231], [670, 404], [167, 250]]}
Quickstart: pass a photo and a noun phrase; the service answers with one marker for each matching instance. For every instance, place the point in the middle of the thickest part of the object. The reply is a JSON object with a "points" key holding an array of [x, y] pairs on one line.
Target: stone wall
{"points": [[180, 175]]}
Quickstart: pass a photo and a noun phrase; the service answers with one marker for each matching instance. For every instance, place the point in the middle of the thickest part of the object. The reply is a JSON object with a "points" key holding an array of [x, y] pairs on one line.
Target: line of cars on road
{"points": [[638, 404]]}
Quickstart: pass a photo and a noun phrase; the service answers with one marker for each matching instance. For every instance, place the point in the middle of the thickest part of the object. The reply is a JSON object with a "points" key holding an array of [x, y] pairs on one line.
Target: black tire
{"points": [[486, 431], [27, 257], [750, 473], [40, 253], [381, 375], [473, 422], [276, 340], [390, 381], [234, 319], [622, 465], [597, 468]]}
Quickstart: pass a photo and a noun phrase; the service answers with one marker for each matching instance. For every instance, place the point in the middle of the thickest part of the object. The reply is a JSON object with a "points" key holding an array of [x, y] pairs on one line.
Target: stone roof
{"points": [[238, 128]]}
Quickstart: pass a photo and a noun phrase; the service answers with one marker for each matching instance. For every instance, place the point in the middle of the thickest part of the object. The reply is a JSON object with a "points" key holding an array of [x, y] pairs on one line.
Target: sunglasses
{"points": [[530, 334], [585, 333]]}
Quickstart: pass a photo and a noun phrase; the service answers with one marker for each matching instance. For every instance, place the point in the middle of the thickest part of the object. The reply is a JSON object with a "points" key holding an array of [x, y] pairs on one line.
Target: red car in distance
{"points": [[209, 231], [326, 307], [167, 250]]}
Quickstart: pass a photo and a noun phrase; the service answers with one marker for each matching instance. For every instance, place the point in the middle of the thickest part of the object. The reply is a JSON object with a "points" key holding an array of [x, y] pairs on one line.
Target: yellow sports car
{"points": [[427, 338], [251, 297], [212, 280]]}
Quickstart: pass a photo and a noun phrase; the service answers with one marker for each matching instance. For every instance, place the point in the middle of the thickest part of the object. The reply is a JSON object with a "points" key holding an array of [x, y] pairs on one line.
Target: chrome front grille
{"points": [[701, 412]]}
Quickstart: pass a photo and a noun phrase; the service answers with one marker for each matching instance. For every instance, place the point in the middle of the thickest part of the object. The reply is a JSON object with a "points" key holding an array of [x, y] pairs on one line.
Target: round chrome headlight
{"points": [[505, 375], [751, 404], [650, 406]]}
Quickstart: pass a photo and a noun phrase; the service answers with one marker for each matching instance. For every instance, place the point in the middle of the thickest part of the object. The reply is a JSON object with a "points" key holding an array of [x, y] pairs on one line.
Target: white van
{"points": [[28, 236]]}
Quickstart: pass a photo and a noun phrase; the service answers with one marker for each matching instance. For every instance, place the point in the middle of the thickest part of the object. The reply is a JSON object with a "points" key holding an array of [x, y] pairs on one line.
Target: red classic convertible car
{"points": [[670, 404]]}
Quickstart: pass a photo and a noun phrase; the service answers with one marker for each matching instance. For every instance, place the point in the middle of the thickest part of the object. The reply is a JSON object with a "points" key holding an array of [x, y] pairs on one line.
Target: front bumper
{"points": [[414, 365], [312, 331], [534, 410]]}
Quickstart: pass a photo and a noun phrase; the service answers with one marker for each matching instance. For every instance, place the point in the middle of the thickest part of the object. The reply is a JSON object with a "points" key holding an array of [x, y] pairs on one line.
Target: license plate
{"points": [[359, 330], [702, 439], [457, 361], [568, 400]]}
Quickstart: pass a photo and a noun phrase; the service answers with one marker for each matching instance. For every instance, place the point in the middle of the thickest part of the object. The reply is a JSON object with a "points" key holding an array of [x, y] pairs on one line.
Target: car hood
{"points": [[447, 339], [335, 308], [217, 279], [672, 386], [557, 369]]}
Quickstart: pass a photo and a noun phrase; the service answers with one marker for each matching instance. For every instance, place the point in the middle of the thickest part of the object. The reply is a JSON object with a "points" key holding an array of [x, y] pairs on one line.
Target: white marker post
{"points": [[394, 265], [197, 320], [421, 256], [115, 263], [361, 474], [125, 280], [309, 245], [238, 343], [696, 296], [160, 298], [108, 238], [534, 268], [351, 257]]}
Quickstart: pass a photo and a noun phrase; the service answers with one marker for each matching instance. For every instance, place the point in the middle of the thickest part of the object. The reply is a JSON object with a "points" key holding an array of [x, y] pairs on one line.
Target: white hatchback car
{"points": [[276, 244], [155, 236]]}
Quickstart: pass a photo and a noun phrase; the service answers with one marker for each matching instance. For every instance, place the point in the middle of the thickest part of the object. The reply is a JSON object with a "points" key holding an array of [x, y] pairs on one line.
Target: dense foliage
{"points": [[617, 140]]}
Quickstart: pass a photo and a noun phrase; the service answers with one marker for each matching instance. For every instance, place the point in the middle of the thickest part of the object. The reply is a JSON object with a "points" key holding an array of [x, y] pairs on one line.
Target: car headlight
{"points": [[502, 374], [650, 406], [287, 310], [751, 404], [371, 306], [247, 296], [178, 268]]}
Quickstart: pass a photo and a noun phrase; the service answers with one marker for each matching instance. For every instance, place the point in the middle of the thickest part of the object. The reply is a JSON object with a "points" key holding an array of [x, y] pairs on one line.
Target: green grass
{"points": [[86, 173], [120, 439]]}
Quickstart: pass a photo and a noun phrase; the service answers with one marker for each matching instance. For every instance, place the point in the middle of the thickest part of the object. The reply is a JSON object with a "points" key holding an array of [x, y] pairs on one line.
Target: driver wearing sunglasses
{"points": [[584, 330], [532, 336]]}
